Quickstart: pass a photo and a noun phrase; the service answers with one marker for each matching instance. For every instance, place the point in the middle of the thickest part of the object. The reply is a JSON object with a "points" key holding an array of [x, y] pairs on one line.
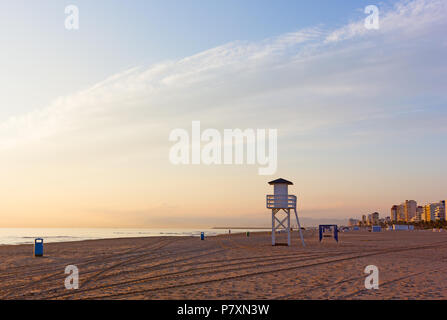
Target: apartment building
{"points": [[394, 212], [410, 208]]}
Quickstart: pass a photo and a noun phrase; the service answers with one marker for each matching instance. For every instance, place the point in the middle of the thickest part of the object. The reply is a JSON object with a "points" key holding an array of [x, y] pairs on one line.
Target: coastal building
{"points": [[435, 211], [406, 211], [429, 212], [394, 211], [369, 220], [401, 212], [440, 210], [410, 207], [375, 218], [442, 203], [419, 214]]}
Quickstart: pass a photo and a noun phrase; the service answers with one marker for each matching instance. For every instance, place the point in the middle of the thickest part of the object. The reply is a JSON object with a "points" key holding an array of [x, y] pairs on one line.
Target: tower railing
{"points": [[281, 201]]}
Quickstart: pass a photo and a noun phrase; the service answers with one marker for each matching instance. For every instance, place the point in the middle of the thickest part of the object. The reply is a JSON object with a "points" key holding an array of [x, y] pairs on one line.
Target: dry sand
{"points": [[412, 265]]}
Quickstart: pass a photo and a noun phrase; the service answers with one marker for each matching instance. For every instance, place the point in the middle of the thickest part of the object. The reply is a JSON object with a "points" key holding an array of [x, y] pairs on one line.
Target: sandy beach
{"points": [[412, 265]]}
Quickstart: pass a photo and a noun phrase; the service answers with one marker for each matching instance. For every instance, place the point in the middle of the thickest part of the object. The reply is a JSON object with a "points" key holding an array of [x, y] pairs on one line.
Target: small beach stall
{"points": [[328, 231], [280, 202], [376, 229], [400, 227]]}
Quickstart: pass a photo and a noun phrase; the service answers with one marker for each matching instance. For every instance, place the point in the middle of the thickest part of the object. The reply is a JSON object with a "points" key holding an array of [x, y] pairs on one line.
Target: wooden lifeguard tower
{"points": [[281, 201]]}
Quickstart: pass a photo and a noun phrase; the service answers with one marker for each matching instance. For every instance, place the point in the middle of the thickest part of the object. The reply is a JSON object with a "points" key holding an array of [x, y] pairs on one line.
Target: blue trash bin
{"points": [[38, 247], [202, 236]]}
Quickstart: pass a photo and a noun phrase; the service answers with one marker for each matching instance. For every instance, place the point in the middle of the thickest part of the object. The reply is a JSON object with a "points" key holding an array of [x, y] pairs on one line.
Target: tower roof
{"points": [[280, 181]]}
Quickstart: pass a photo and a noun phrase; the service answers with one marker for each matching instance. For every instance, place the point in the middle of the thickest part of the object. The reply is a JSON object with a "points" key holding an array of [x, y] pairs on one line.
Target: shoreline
{"points": [[57, 235], [131, 238]]}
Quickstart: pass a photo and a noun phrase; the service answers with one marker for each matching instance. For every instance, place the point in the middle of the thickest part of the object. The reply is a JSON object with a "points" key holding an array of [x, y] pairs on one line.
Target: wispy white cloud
{"points": [[298, 82], [406, 17]]}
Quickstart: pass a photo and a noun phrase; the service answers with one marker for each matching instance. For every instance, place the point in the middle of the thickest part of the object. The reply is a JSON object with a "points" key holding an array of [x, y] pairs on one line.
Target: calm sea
{"points": [[27, 235]]}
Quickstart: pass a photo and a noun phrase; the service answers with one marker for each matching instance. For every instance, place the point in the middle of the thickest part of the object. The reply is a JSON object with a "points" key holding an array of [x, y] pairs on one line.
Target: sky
{"points": [[85, 115]]}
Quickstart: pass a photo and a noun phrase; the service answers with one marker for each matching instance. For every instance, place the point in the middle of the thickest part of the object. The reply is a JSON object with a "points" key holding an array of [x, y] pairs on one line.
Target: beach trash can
{"points": [[38, 247], [248, 233], [202, 236]]}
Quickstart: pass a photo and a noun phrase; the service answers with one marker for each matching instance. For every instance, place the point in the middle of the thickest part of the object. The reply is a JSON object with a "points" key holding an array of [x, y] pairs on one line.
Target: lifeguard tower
{"points": [[281, 201]]}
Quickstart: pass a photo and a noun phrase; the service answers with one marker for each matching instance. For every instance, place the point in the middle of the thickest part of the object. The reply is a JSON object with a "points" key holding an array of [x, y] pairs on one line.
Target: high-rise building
{"points": [[440, 210], [427, 213], [353, 222], [410, 207], [364, 220], [401, 212], [409, 211], [375, 218], [419, 214], [394, 213], [442, 204], [435, 211]]}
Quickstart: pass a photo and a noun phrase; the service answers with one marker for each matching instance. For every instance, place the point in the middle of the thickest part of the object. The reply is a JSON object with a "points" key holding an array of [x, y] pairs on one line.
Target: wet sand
{"points": [[412, 265]]}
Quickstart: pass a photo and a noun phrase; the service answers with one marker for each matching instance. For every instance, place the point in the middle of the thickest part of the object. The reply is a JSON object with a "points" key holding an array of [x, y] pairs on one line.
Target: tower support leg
{"points": [[273, 226], [299, 228], [288, 227]]}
